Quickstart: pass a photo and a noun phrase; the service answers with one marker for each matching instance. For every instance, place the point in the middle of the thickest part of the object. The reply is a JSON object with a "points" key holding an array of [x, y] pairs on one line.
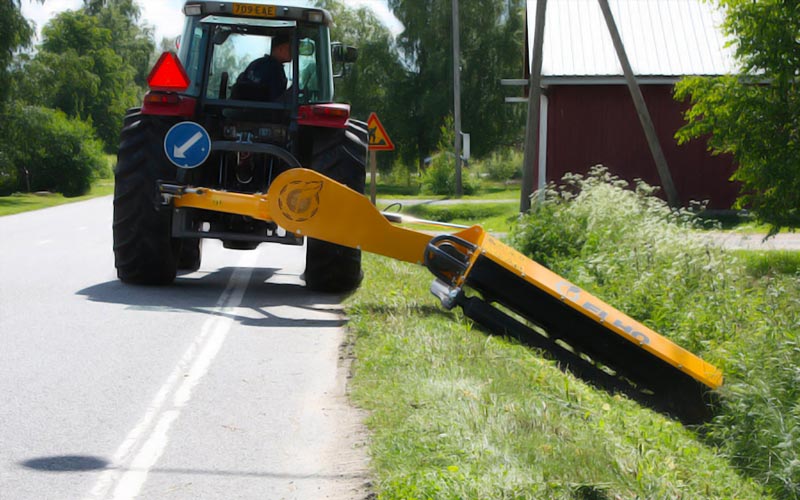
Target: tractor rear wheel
{"points": [[190, 254], [144, 251], [340, 155]]}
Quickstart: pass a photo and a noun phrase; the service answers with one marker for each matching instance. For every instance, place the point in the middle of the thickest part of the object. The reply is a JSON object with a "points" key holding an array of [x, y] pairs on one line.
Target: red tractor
{"points": [[259, 80]]}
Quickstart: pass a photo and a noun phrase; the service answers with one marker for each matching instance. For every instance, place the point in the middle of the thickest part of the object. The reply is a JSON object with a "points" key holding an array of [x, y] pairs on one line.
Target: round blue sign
{"points": [[187, 144]]}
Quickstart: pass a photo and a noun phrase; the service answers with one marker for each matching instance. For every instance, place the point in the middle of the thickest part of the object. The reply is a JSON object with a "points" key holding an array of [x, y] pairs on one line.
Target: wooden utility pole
{"points": [[457, 97], [641, 109], [534, 97]]}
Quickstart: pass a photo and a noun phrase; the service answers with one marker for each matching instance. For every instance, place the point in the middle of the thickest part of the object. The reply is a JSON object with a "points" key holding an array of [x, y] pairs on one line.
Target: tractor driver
{"points": [[264, 78]]}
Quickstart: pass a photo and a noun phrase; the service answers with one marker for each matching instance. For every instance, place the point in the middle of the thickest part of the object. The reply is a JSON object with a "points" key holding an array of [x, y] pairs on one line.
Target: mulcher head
{"points": [[521, 299]]}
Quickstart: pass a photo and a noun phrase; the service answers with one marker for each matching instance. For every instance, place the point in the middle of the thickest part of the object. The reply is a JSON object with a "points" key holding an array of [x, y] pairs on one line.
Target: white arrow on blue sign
{"points": [[187, 144]]}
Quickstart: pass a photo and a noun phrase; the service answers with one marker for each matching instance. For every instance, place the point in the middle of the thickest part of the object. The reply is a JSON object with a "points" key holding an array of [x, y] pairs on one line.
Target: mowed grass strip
{"points": [[25, 202], [456, 413], [493, 216]]}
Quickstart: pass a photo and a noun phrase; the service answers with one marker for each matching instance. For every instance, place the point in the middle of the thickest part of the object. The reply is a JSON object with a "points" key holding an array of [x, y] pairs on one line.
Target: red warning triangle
{"points": [[378, 138], [168, 74]]}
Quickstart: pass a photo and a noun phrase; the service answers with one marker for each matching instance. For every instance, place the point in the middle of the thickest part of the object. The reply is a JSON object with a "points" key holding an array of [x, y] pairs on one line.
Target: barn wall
{"points": [[590, 124]]}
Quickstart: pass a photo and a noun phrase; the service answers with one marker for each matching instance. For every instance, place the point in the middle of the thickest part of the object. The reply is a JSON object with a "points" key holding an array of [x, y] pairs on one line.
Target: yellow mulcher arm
{"points": [[475, 271]]}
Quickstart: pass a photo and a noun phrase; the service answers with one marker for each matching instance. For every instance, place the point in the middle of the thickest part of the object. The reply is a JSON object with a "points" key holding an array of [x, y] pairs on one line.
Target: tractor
{"points": [[255, 133]]}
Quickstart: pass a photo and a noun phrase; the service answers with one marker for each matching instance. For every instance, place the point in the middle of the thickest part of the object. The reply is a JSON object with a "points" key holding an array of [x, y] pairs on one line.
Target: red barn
{"points": [[587, 113]]}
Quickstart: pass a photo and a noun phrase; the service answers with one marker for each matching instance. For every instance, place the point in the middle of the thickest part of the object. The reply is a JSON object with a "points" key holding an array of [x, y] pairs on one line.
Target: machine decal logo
{"points": [[299, 201], [572, 293]]}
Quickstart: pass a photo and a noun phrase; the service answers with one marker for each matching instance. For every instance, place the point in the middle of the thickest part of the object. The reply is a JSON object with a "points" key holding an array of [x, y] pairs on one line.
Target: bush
{"points": [[503, 165], [51, 152], [400, 174], [627, 247], [440, 176]]}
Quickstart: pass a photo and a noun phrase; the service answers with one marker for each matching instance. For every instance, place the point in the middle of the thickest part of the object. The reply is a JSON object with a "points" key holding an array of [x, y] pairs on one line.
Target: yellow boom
{"points": [[475, 271]]}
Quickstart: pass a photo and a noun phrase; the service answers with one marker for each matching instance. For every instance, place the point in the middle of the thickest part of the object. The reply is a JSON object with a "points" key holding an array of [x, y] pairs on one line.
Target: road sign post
{"points": [[378, 141]]}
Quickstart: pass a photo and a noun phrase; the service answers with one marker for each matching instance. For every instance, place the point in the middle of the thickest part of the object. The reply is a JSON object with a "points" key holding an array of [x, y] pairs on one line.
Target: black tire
{"points": [[144, 251], [190, 254], [131, 115], [340, 155]]}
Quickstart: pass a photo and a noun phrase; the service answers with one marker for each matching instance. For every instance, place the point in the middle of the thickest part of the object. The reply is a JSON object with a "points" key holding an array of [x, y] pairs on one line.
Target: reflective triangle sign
{"points": [[378, 138]]}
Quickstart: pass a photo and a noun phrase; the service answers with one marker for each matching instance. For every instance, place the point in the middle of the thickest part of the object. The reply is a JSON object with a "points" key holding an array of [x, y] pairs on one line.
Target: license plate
{"points": [[253, 10]]}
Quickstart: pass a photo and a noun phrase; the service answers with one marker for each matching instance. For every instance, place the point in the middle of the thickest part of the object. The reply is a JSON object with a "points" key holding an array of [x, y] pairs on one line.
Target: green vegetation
{"points": [[633, 252], [26, 202], [772, 263], [401, 79], [484, 190], [91, 65], [502, 165], [457, 414], [47, 151], [492, 39], [755, 115], [492, 216], [102, 185], [439, 176], [62, 105], [16, 34]]}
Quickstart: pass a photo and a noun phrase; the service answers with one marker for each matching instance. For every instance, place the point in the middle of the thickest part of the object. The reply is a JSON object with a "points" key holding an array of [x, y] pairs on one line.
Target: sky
{"points": [[166, 16]]}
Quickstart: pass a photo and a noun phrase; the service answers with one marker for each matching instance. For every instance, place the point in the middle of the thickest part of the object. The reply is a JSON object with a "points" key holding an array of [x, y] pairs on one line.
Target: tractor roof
{"points": [[287, 10]]}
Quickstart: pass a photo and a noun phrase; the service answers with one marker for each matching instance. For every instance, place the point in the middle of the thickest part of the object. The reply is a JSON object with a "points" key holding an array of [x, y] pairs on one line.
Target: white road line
{"points": [[146, 442]]}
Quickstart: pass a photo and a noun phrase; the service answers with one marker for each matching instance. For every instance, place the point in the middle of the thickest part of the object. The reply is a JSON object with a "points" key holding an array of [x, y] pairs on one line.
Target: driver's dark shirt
{"points": [[262, 80]]}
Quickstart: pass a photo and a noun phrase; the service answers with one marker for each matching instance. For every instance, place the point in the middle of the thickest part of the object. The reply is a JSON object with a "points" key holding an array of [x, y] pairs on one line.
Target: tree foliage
{"points": [[75, 87], [78, 71], [492, 42], [407, 81], [755, 115], [48, 151], [16, 33], [130, 39], [370, 84]]}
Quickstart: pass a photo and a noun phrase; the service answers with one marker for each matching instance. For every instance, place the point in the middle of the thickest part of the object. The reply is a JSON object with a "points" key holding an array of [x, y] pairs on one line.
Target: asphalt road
{"points": [[226, 385]]}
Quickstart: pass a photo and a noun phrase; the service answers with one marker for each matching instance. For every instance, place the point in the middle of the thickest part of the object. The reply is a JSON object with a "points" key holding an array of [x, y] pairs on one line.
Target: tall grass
{"points": [[629, 248]]}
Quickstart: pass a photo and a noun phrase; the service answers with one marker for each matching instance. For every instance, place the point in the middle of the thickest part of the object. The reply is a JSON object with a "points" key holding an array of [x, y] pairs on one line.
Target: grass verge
{"points": [[485, 190], [25, 202], [458, 414], [493, 217]]}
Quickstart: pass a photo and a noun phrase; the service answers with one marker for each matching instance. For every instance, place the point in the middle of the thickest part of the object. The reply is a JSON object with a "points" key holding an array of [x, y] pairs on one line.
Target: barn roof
{"points": [[664, 39]]}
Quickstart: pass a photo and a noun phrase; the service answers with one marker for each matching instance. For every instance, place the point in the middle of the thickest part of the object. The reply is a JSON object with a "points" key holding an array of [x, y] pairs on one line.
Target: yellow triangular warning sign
{"points": [[378, 138]]}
